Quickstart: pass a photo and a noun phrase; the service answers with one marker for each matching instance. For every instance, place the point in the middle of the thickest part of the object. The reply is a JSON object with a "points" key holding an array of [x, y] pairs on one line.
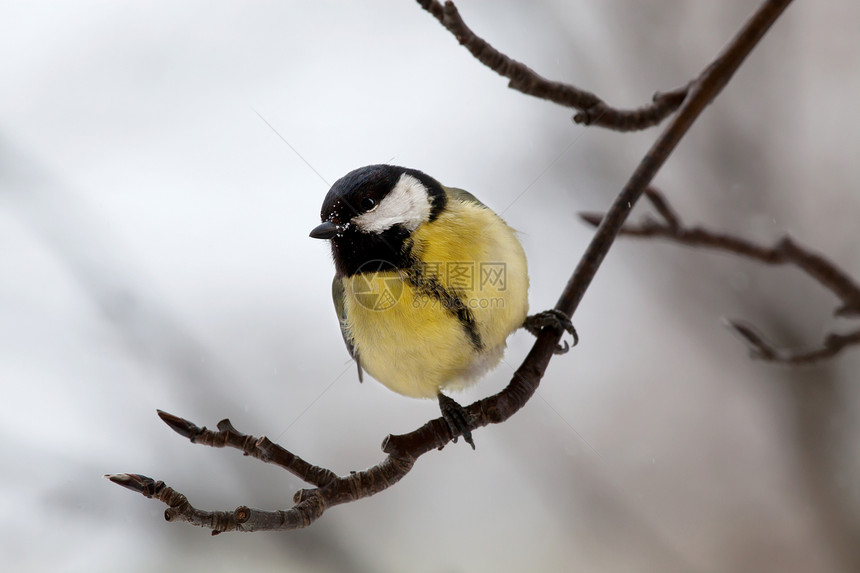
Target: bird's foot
{"points": [[551, 318], [457, 418]]}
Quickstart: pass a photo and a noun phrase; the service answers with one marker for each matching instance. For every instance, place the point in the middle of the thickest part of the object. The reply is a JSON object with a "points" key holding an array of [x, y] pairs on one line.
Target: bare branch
{"points": [[761, 349], [309, 505], [592, 110], [331, 489], [243, 518], [261, 448], [702, 91], [403, 450], [785, 252]]}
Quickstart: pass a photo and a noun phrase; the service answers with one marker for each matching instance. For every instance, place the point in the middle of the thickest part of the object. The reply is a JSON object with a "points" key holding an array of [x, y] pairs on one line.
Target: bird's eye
{"points": [[367, 203]]}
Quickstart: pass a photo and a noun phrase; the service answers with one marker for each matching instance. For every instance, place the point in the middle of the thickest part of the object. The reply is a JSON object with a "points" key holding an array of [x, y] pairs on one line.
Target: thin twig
{"points": [[761, 349], [403, 450], [784, 252], [591, 109]]}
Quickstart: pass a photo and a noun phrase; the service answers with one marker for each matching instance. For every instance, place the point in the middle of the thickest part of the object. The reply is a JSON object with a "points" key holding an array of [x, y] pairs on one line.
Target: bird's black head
{"points": [[368, 214]]}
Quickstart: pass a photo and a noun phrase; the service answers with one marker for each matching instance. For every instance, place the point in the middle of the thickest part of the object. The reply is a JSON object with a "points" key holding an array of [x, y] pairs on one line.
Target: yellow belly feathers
{"points": [[406, 339]]}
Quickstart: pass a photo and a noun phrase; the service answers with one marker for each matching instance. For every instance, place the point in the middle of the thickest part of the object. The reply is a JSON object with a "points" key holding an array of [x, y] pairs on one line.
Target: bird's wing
{"points": [[461, 195], [337, 295]]}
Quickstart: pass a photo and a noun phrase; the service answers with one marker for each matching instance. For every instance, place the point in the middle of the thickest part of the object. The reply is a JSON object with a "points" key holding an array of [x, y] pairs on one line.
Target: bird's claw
{"points": [[552, 318], [457, 419]]}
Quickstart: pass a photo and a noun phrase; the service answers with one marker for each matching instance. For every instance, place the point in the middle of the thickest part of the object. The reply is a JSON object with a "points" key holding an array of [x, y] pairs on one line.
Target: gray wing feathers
{"points": [[337, 295], [461, 195]]}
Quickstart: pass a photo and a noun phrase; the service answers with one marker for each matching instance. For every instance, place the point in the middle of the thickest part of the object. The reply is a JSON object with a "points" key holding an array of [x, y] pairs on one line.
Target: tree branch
{"points": [[331, 489], [760, 348], [403, 450], [702, 92], [786, 251], [592, 110]]}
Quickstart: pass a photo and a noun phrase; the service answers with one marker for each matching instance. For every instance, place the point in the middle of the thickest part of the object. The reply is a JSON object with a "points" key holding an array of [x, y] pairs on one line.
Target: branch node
{"points": [[265, 446], [586, 116], [663, 208], [242, 513], [226, 426], [593, 219]]}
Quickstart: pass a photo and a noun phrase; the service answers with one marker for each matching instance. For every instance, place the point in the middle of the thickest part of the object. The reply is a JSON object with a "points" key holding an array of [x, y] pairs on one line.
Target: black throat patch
{"points": [[355, 252]]}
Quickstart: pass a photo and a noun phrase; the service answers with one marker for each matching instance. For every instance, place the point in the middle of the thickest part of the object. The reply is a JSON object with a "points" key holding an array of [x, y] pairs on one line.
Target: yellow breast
{"points": [[411, 340]]}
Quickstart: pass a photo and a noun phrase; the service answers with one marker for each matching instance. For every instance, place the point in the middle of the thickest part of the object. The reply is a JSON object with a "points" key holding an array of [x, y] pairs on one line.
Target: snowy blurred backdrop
{"points": [[154, 253]]}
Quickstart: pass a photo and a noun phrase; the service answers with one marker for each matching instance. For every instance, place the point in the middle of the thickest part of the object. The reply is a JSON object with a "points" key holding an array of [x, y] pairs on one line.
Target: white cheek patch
{"points": [[407, 205]]}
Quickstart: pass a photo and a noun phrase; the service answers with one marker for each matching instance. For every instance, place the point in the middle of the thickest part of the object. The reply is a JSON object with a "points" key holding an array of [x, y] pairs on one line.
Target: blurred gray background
{"points": [[154, 254]]}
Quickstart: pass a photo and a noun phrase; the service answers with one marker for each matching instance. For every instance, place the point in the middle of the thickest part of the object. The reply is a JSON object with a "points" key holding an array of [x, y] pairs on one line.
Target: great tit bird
{"points": [[429, 283]]}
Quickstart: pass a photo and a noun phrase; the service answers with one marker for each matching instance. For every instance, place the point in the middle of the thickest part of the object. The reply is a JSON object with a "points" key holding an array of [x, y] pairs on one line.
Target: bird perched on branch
{"points": [[429, 283]]}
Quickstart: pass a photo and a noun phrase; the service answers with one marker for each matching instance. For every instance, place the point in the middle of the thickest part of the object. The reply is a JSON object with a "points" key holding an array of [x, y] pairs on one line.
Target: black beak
{"points": [[325, 230]]}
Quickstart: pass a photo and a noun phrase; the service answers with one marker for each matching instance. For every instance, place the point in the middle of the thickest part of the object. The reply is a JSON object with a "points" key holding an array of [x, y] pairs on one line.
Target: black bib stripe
{"points": [[449, 300]]}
